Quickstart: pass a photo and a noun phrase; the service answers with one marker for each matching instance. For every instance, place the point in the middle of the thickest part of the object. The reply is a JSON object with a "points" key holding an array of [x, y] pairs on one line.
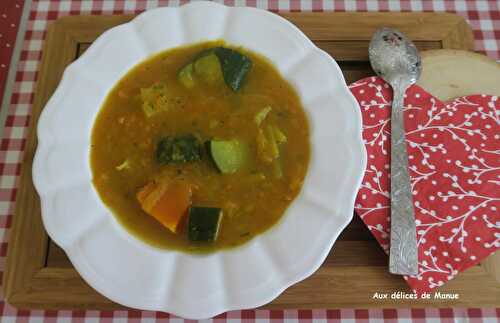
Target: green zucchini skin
{"points": [[178, 149], [234, 66], [204, 223]]}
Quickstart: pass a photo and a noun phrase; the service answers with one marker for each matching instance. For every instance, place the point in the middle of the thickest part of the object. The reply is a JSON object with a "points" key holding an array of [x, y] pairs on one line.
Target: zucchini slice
{"points": [[215, 65], [229, 155], [185, 76], [179, 149], [204, 223], [208, 69], [235, 66]]}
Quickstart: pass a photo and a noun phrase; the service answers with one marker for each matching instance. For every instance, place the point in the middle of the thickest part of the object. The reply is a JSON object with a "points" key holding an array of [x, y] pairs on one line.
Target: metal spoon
{"points": [[395, 58]]}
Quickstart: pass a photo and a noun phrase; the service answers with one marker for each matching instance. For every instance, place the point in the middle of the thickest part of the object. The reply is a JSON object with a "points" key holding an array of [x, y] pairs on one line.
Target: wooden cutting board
{"points": [[39, 275], [452, 73]]}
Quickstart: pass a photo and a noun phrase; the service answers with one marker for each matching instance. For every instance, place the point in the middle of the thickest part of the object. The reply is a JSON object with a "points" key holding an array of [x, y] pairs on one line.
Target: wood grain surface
{"points": [[39, 275]]}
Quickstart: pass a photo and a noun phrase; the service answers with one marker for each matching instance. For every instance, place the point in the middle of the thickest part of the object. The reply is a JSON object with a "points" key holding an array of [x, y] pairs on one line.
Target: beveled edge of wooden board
{"points": [[453, 30], [29, 284]]}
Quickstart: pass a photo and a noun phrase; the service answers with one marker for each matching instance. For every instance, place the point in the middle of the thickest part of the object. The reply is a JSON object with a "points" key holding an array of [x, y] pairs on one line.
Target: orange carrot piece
{"points": [[167, 203]]}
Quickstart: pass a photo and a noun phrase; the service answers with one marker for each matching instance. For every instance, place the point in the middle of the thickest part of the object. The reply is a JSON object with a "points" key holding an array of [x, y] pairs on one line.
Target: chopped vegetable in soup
{"points": [[200, 148]]}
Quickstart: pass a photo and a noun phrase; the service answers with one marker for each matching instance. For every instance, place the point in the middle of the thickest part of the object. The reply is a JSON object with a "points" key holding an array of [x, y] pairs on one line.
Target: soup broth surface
{"points": [[124, 143]]}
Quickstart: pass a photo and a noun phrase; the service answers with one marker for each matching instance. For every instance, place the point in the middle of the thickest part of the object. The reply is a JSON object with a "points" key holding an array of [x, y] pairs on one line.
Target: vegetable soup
{"points": [[200, 148]]}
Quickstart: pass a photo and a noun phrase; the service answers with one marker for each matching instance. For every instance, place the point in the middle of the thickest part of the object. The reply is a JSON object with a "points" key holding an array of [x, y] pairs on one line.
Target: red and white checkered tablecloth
{"points": [[483, 16]]}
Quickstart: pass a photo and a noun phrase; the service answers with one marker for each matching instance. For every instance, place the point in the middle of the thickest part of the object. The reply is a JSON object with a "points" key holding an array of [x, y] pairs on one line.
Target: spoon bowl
{"points": [[394, 57]]}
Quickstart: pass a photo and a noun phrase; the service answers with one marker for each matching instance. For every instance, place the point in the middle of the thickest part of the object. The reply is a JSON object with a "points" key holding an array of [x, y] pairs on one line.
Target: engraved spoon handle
{"points": [[403, 258]]}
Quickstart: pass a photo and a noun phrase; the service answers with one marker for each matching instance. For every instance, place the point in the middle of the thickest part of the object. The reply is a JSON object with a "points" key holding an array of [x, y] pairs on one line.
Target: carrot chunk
{"points": [[166, 202]]}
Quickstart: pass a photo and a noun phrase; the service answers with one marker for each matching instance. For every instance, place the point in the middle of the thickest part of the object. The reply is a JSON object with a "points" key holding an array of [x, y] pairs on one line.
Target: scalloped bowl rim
{"points": [[53, 199]]}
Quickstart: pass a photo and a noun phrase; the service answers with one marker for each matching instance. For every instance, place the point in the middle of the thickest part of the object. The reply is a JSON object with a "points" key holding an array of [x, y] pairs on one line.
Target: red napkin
{"points": [[454, 160]]}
